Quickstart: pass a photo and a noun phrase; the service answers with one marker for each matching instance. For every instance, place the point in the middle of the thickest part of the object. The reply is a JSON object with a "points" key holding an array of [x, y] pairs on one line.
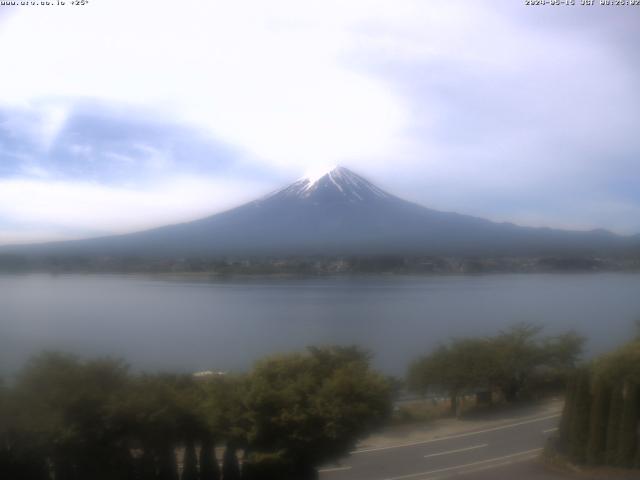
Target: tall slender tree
{"points": [[598, 422], [567, 414], [579, 427], [230, 465], [209, 468], [627, 442], [167, 466], [613, 426], [190, 462]]}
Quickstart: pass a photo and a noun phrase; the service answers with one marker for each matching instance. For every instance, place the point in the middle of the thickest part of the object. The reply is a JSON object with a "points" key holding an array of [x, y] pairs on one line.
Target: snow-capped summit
{"points": [[315, 174], [334, 184]]}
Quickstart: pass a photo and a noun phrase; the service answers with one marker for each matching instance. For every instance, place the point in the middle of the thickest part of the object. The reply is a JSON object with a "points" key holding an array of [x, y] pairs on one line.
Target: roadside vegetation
{"points": [[601, 421], [68, 419], [64, 418], [518, 363]]}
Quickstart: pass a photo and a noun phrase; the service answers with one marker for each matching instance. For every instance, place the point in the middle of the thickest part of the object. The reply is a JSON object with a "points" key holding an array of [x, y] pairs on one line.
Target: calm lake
{"points": [[185, 324]]}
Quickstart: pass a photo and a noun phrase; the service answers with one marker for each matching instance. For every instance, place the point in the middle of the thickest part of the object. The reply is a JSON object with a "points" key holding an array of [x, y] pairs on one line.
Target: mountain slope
{"points": [[340, 213]]}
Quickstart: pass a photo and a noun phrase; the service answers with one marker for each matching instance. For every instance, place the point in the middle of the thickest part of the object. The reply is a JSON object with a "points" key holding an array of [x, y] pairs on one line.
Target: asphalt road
{"points": [[505, 451]]}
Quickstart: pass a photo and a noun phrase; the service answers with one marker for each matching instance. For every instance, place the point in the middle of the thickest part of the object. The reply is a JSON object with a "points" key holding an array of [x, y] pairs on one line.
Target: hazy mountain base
{"points": [[317, 265], [337, 216]]}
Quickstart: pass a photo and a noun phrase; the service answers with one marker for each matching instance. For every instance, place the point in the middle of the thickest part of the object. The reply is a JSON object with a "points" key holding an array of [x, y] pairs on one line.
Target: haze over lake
{"points": [[188, 324]]}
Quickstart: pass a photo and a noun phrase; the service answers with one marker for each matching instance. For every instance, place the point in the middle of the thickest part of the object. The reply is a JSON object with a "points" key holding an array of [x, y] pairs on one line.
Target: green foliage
{"points": [[517, 354], [598, 423], [629, 426], [230, 466], [601, 426], [622, 365], [190, 463], [87, 418], [209, 469], [160, 407], [313, 407], [266, 466], [564, 350], [622, 369], [613, 427], [70, 419], [512, 361], [579, 426], [66, 408], [21, 456], [223, 406], [567, 413], [452, 368], [167, 467], [275, 466]]}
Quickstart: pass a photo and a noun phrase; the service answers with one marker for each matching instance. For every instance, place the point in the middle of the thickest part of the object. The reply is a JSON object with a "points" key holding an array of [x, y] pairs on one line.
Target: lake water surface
{"points": [[189, 324]]}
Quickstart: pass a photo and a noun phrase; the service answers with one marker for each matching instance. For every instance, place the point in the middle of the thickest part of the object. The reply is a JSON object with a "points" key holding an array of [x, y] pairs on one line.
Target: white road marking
{"points": [[451, 437], [485, 467], [475, 447], [549, 430], [456, 467], [335, 469]]}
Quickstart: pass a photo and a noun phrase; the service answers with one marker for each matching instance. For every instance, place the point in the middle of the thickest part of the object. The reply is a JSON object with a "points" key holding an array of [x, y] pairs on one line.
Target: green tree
{"points": [[636, 461], [568, 413], [22, 456], [509, 362], [163, 411], [622, 369], [518, 353], [614, 413], [563, 351], [209, 469], [627, 442], [307, 409], [230, 466], [267, 466], [66, 407], [579, 427], [613, 426], [455, 368], [596, 447], [5, 446], [190, 462], [224, 407]]}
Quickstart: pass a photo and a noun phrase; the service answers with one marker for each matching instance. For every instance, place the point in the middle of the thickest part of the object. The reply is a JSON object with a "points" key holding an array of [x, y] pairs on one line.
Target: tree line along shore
{"points": [[319, 265]]}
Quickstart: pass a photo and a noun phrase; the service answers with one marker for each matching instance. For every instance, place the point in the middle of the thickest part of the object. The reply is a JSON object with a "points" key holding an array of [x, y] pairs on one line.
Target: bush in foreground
{"points": [[69, 419]]}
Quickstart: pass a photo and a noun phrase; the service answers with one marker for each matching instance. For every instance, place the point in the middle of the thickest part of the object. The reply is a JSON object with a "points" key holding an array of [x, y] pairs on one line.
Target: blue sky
{"points": [[119, 116]]}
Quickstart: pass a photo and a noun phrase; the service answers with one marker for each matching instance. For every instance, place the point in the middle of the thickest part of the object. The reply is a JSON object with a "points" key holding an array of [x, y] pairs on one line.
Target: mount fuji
{"points": [[339, 213]]}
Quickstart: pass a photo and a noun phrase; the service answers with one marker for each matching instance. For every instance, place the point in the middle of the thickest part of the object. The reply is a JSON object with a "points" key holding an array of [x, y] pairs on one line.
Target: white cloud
{"points": [[53, 119], [81, 150], [154, 159], [32, 170], [22, 234], [268, 78], [39, 121], [76, 206], [301, 84]]}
